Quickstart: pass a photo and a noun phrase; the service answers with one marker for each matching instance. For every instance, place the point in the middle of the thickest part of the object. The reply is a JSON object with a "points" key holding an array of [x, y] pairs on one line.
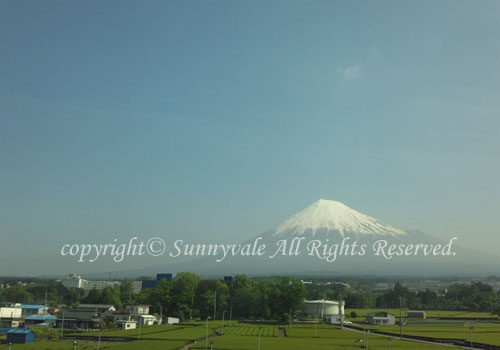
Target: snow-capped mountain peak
{"points": [[328, 215]]}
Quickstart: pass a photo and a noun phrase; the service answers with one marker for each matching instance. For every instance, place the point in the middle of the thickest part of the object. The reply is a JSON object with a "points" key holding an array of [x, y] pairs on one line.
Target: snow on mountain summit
{"points": [[333, 216]]}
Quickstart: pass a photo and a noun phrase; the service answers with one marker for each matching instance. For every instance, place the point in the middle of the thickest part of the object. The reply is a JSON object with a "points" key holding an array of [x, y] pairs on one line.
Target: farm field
{"points": [[245, 336], [361, 313], [133, 333], [237, 337], [482, 332], [68, 345]]}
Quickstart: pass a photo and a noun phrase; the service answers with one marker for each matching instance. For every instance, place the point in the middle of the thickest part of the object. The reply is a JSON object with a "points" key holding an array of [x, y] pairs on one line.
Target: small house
{"points": [[27, 310], [40, 320], [101, 308], [333, 319], [147, 320], [381, 318], [78, 319], [172, 320], [128, 325], [137, 309], [20, 336], [416, 314]]}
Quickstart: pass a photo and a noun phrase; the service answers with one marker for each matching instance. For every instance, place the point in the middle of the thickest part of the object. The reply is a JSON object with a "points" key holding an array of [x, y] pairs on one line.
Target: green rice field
{"points": [[242, 336]]}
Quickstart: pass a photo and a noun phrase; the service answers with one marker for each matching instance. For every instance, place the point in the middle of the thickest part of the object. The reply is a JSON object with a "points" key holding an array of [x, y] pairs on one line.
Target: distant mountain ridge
{"points": [[334, 223]]}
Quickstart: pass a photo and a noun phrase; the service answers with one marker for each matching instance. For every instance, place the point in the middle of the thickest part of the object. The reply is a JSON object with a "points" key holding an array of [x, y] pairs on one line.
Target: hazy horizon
{"points": [[219, 120]]}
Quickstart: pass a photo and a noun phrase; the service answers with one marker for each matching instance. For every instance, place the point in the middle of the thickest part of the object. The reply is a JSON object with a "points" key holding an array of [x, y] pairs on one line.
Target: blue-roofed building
{"points": [[152, 283], [167, 276], [148, 284], [230, 278], [40, 320], [31, 309], [20, 336]]}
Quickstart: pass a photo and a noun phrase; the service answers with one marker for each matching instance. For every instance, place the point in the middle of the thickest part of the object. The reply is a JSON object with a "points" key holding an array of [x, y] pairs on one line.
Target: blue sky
{"points": [[216, 120]]}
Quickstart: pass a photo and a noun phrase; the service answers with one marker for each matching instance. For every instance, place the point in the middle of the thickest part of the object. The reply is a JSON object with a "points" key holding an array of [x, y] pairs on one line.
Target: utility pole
{"points": [[290, 317], [471, 344], [62, 326], [400, 320], [215, 304], [340, 312], [223, 312], [230, 316], [140, 328], [260, 333], [191, 310], [315, 321], [99, 341], [206, 334]]}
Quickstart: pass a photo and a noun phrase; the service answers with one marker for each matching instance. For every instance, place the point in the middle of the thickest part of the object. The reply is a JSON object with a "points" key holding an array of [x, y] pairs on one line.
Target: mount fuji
{"points": [[332, 217], [334, 223]]}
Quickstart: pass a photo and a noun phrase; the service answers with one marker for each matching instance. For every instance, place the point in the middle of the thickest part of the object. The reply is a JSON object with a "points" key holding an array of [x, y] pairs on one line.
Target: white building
{"points": [[10, 312], [75, 281], [334, 319], [136, 287], [381, 318], [137, 309], [124, 320], [129, 325], [147, 320], [10, 317], [172, 320]]}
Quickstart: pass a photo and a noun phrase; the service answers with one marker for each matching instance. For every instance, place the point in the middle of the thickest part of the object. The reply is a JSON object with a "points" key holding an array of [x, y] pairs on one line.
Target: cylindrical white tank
{"points": [[320, 308]]}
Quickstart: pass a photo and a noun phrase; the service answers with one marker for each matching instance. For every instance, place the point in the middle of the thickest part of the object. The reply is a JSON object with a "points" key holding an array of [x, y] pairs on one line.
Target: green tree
{"points": [[287, 296], [17, 294], [183, 294]]}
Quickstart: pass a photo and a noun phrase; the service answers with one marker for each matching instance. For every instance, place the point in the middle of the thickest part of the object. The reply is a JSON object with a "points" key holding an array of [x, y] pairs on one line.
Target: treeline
{"points": [[189, 296], [476, 296]]}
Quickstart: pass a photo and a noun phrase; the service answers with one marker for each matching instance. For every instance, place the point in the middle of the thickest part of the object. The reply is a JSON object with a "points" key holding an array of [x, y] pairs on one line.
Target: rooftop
{"points": [[22, 306]]}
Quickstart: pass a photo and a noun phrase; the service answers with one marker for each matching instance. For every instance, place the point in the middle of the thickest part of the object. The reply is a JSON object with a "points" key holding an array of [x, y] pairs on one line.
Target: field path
{"points": [[282, 332], [190, 345]]}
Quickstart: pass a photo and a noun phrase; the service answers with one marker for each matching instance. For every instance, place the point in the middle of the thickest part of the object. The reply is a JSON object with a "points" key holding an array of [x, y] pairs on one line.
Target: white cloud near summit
{"points": [[351, 72]]}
